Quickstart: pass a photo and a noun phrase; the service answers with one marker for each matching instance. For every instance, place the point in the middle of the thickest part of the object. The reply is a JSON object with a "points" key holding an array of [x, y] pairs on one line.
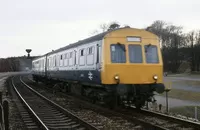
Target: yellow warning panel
{"points": [[168, 85]]}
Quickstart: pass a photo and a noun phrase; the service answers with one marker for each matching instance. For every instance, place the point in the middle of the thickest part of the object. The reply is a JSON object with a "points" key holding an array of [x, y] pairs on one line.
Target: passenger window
{"points": [[70, 54], [118, 53], [54, 60], [66, 56], [90, 56], [151, 53], [81, 58], [48, 63], [90, 50], [82, 52], [135, 53]]}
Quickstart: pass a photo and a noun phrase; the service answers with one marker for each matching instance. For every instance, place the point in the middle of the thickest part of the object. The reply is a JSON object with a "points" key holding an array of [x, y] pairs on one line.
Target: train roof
{"points": [[81, 42]]}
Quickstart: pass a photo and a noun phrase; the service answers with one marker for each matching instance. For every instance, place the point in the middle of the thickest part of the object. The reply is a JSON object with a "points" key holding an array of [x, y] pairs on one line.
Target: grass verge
{"points": [[183, 95]]}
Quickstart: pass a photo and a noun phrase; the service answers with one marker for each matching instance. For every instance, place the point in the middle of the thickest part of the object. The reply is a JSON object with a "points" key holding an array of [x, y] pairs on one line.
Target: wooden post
{"points": [[195, 109], [6, 114], [160, 107], [167, 109], [1, 115], [0, 97], [168, 87]]}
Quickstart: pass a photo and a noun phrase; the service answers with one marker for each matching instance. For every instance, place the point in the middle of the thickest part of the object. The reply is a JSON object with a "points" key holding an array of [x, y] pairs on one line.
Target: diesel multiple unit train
{"points": [[115, 67]]}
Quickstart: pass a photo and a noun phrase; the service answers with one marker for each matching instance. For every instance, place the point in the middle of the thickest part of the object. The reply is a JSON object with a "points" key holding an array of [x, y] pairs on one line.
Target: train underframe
{"points": [[110, 95]]}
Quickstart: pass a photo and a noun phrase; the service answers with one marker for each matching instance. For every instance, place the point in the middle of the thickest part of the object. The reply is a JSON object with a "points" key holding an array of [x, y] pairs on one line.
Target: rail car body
{"points": [[125, 63]]}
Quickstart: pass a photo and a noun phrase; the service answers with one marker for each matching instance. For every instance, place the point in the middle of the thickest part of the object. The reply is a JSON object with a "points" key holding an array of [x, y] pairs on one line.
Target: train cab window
{"points": [[118, 53], [135, 53], [151, 53]]}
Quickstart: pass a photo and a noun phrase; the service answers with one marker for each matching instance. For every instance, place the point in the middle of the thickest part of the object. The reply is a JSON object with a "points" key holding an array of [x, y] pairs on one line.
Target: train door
{"points": [[98, 55]]}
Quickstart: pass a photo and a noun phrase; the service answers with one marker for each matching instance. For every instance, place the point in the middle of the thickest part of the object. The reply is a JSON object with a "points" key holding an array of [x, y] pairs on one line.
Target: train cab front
{"points": [[134, 64]]}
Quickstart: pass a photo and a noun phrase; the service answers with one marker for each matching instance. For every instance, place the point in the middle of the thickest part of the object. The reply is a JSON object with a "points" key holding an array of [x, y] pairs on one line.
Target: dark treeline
{"points": [[180, 50], [13, 64], [9, 64]]}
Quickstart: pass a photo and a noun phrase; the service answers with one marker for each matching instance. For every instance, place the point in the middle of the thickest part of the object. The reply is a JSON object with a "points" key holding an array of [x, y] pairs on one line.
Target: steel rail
{"points": [[39, 121], [63, 110]]}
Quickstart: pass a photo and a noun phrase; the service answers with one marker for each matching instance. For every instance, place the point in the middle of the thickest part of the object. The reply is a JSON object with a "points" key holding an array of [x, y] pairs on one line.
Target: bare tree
{"points": [[190, 42], [107, 27], [104, 27], [171, 38]]}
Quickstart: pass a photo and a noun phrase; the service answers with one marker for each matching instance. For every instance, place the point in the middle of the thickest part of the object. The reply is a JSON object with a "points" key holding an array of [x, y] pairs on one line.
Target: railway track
{"points": [[41, 113], [95, 117], [147, 118]]}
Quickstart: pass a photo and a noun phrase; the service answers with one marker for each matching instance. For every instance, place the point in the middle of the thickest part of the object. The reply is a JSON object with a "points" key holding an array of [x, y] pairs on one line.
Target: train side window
{"points": [[71, 59], [58, 59], [48, 63], [65, 55], [61, 60], [90, 55], [90, 50], [42, 64], [81, 57], [118, 53], [82, 52], [135, 53], [75, 57], [51, 62], [55, 61], [70, 54]]}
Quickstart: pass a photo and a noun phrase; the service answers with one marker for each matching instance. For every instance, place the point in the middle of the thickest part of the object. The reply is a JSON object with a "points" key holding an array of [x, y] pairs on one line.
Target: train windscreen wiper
{"points": [[121, 46], [147, 47]]}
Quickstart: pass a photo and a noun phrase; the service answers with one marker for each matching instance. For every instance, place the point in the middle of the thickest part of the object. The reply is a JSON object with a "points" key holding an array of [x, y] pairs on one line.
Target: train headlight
{"points": [[155, 77], [116, 77]]}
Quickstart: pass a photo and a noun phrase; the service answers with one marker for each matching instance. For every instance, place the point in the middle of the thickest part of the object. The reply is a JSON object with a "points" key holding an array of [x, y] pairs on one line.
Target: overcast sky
{"points": [[43, 25]]}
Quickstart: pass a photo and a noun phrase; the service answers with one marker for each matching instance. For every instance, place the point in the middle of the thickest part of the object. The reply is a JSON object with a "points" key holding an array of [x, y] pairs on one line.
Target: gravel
{"points": [[15, 120]]}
